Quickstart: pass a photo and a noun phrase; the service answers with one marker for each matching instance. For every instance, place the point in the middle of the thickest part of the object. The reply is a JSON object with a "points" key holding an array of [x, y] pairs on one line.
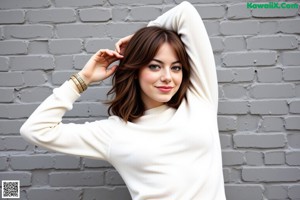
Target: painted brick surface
{"points": [[43, 42]]}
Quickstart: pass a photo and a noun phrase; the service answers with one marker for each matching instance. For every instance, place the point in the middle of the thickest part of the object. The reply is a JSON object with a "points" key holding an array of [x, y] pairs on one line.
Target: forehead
{"points": [[166, 52]]}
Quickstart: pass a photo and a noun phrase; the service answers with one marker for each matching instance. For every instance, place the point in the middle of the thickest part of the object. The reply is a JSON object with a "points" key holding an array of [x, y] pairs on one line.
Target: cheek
{"points": [[147, 77]]}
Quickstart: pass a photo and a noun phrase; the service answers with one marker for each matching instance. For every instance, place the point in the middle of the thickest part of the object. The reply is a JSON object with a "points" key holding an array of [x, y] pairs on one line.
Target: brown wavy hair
{"points": [[141, 49]]}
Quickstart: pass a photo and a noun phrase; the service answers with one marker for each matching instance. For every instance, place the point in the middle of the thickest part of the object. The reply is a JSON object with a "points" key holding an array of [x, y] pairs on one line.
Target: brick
{"points": [[65, 15], [245, 192], [53, 193], [227, 123], [63, 62], [271, 174], [138, 14], [4, 63], [82, 178], [30, 162], [254, 158], [32, 62], [23, 177], [98, 110], [294, 140], [119, 14], [226, 141], [16, 143], [268, 27], [294, 192], [13, 47], [111, 193], [79, 110], [81, 60], [8, 127], [238, 11], [274, 158], [233, 158], [211, 11], [294, 107], [234, 43], [247, 123], [37, 94], [11, 79], [289, 26], [91, 163], [3, 163], [249, 59], [270, 107], [292, 123], [263, 91], [12, 17], [113, 30], [297, 88], [14, 4], [243, 75], [7, 95], [40, 178], [270, 140], [291, 74], [291, 58], [95, 14], [293, 158], [78, 3], [225, 75], [272, 42], [272, 124], [34, 78], [140, 3], [94, 45], [269, 75], [70, 46], [276, 192], [235, 107], [66, 162], [234, 91], [212, 28], [226, 174], [38, 47], [29, 31], [217, 44], [113, 178], [15, 111], [59, 77], [270, 13], [239, 28], [80, 30]]}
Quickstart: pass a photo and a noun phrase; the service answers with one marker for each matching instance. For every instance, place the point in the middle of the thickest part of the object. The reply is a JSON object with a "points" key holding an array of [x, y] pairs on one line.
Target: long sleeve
{"points": [[185, 20], [45, 128]]}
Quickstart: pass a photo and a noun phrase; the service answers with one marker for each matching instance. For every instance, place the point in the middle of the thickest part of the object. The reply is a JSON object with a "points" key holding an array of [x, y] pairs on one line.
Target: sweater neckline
{"points": [[156, 110]]}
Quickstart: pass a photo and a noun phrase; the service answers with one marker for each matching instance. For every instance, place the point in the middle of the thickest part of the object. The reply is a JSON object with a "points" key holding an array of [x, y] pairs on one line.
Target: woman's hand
{"points": [[122, 44], [96, 69]]}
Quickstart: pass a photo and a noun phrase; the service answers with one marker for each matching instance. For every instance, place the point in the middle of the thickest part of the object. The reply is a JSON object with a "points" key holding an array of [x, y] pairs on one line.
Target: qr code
{"points": [[10, 189]]}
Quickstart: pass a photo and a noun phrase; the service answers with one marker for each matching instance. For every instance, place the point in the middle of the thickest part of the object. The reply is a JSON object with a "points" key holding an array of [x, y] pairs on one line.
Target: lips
{"points": [[165, 88]]}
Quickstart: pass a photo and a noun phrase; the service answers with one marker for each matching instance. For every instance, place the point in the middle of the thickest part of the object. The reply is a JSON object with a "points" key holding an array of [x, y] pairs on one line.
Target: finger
{"points": [[111, 70], [118, 45]]}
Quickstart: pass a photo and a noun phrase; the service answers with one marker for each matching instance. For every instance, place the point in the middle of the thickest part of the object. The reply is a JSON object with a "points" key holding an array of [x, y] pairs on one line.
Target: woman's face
{"points": [[161, 78]]}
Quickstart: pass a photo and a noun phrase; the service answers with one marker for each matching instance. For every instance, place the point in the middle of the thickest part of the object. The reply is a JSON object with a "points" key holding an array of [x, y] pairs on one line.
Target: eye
{"points": [[176, 68], [154, 67]]}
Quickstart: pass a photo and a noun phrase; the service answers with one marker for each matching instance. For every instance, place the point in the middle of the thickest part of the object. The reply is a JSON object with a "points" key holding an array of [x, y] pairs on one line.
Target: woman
{"points": [[163, 136]]}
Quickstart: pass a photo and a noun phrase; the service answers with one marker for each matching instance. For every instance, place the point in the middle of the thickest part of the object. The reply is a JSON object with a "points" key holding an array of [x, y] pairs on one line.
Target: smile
{"points": [[165, 89]]}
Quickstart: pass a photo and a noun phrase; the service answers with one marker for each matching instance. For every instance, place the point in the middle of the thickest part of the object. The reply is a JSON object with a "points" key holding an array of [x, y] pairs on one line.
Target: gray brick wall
{"points": [[257, 54]]}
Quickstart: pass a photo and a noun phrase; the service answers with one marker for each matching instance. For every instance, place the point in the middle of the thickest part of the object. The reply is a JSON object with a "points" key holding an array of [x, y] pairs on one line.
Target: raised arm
{"points": [[185, 20]]}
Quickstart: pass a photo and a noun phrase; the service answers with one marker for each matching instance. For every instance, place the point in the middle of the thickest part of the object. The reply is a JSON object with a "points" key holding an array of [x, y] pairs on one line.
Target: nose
{"points": [[166, 75]]}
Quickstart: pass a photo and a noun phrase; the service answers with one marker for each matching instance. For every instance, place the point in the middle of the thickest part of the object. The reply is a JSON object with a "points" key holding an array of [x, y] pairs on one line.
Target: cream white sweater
{"points": [[167, 154]]}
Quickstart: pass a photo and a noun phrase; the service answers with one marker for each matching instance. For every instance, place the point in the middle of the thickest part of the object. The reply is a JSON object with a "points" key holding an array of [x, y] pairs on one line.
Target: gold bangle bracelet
{"points": [[81, 81], [76, 82]]}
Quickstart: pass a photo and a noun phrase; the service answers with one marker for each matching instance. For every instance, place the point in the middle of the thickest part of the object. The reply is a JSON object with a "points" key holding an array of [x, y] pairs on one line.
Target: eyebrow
{"points": [[161, 62]]}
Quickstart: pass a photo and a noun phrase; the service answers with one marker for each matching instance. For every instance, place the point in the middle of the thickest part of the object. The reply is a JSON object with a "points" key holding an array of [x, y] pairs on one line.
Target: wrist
{"points": [[86, 80]]}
